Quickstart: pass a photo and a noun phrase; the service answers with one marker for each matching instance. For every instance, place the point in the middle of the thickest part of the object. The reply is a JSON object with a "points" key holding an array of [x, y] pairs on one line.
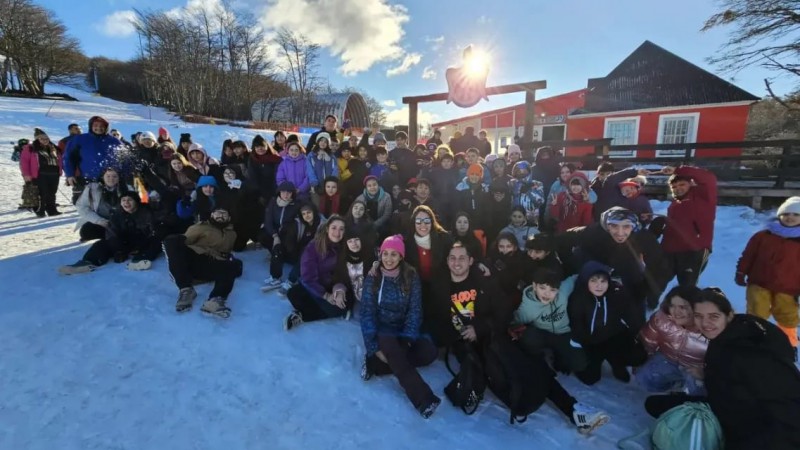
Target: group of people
{"points": [[474, 252]]}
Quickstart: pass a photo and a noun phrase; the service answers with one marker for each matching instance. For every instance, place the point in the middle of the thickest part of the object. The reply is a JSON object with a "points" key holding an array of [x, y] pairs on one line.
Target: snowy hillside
{"points": [[103, 361]]}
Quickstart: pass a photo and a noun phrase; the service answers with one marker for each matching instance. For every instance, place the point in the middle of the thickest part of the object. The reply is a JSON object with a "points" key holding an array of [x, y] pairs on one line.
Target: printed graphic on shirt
{"points": [[464, 301]]}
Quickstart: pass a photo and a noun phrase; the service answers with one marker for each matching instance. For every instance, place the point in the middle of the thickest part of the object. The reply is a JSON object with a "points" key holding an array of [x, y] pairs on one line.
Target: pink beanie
{"points": [[395, 243]]}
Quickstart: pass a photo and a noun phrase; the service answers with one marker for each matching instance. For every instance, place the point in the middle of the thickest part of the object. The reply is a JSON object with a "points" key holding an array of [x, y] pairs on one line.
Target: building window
{"points": [[677, 129], [622, 131]]}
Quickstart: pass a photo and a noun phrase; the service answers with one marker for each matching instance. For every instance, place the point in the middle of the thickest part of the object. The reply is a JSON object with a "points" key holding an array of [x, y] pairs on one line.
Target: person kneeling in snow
{"points": [[130, 232], [391, 317], [204, 253]]}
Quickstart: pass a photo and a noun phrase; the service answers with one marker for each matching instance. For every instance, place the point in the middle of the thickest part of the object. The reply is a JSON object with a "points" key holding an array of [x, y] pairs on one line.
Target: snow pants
{"points": [[688, 266], [312, 307], [569, 356], [403, 357], [621, 350], [48, 186], [763, 303], [101, 251], [186, 265], [91, 231]]}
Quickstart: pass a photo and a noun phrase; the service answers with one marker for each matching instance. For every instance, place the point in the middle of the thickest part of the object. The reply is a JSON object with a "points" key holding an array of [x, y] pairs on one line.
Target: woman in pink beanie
{"points": [[391, 317]]}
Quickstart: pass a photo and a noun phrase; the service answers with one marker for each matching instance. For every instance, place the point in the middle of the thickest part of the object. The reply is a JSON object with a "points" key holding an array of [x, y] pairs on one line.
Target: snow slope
{"points": [[103, 361]]}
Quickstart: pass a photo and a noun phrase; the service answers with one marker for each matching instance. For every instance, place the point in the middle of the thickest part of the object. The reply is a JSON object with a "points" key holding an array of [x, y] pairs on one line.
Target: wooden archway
{"points": [[529, 88]]}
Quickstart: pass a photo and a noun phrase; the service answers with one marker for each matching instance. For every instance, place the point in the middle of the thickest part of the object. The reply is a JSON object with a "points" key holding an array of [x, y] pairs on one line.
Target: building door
{"points": [[553, 133]]}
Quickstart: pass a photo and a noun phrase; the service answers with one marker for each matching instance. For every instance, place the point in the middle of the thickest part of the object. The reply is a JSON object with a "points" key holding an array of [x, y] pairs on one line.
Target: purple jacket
{"points": [[316, 271], [294, 170]]}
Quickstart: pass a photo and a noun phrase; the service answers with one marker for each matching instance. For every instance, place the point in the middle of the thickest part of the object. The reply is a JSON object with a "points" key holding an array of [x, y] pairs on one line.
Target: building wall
{"points": [[716, 124]]}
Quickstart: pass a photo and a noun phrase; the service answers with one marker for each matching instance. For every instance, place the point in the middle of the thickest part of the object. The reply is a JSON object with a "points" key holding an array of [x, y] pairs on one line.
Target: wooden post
{"points": [[412, 124], [783, 167], [530, 116]]}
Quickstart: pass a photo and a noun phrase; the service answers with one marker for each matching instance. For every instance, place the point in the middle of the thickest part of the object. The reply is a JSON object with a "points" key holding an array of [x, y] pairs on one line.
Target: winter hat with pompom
{"points": [[637, 182], [790, 206], [38, 132], [395, 243]]}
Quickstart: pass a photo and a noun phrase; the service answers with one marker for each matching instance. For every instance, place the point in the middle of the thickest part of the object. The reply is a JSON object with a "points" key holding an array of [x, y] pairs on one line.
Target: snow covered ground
{"points": [[102, 360]]}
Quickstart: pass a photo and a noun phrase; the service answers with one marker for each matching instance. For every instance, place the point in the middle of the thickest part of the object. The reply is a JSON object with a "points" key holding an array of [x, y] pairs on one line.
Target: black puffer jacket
{"points": [[753, 385], [132, 227]]}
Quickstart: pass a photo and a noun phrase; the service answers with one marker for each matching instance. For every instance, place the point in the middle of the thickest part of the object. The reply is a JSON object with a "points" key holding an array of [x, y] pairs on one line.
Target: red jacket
{"points": [[29, 161], [690, 220], [582, 216], [771, 261]]}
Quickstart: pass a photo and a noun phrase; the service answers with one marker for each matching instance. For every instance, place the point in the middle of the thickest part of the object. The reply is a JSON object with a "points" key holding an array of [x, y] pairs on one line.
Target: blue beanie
{"points": [[207, 180]]}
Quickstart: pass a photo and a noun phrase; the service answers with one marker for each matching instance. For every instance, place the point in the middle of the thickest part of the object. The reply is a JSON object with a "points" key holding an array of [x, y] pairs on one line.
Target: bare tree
{"points": [[765, 33], [300, 67]]}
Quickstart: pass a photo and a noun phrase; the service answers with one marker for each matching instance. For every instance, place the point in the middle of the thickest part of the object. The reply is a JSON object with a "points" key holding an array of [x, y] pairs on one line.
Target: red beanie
{"points": [[163, 133]]}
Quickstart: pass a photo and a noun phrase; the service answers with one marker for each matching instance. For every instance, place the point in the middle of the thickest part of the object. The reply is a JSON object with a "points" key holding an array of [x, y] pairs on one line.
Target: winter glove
{"points": [[740, 279]]}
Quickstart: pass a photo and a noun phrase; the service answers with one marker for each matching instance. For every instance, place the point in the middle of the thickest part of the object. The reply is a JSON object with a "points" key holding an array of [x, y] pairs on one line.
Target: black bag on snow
{"points": [[466, 389], [520, 381]]}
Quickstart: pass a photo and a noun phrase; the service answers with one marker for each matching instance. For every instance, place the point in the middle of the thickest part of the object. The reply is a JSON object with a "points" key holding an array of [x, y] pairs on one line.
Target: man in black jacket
{"points": [[329, 127]]}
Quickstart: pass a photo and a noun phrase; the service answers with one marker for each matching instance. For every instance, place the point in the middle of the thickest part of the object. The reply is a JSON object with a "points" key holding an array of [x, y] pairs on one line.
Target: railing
{"points": [[777, 161]]}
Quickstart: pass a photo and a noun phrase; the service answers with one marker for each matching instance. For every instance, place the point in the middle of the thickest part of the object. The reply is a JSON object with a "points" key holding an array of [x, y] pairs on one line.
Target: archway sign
{"points": [[466, 87]]}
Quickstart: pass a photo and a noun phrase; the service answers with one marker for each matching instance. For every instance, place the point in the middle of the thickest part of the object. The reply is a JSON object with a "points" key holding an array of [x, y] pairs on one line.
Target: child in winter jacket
{"points": [[572, 208], [600, 311], [770, 268], [294, 169], [391, 317], [200, 160], [330, 201], [472, 197], [519, 227], [675, 346], [543, 311], [631, 190], [321, 163], [294, 236], [526, 192], [381, 166], [541, 254]]}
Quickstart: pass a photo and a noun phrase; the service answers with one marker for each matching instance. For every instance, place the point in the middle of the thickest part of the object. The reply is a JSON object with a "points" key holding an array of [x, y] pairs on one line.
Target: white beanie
{"points": [[323, 135], [147, 135], [791, 205], [513, 148]]}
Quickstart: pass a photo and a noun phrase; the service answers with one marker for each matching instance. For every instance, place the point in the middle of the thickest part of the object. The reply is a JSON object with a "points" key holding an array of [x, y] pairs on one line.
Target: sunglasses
{"points": [[425, 221]]}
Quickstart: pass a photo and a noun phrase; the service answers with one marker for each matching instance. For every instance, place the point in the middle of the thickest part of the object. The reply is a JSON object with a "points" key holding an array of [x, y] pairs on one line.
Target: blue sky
{"points": [[564, 42]]}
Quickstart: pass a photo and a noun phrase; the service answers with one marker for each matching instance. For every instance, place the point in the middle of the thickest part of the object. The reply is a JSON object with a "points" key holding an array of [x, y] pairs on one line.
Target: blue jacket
{"points": [[389, 312], [91, 154], [318, 169]]}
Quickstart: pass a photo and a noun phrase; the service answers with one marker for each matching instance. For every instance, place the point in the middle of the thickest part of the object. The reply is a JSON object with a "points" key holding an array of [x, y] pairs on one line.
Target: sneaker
{"points": [[284, 289], [81, 266], [185, 299], [142, 264], [621, 373], [270, 284], [54, 213], [216, 306], [366, 372], [348, 315], [292, 320], [429, 409], [588, 419]]}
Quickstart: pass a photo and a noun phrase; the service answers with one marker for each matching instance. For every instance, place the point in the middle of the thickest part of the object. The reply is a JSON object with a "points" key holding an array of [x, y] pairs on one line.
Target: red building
{"points": [[652, 97]]}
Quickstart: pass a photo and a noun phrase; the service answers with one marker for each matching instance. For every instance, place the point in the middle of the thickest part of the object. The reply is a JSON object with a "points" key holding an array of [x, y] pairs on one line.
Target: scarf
{"points": [[424, 242], [779, 229], [571, 204], [47, 154], [378, 196], [266, 158], [394, 273], [353, 258], [281, 202]]}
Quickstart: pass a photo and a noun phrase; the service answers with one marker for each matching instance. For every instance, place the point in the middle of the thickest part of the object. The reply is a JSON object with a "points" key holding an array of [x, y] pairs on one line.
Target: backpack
{"points": [[690, 426], [466, 389], [520, 381]]}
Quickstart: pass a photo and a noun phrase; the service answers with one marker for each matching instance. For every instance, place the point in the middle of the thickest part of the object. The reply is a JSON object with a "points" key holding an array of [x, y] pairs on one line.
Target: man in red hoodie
{"points": [[690, 221]]}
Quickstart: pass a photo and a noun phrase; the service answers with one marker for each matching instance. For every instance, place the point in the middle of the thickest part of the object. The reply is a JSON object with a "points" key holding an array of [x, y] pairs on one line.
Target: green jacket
{"points": [[550, 317]]}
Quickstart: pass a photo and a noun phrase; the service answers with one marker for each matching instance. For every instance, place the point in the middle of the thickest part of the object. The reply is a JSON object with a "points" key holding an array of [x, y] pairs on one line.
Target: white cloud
{"points": [[428, 73], [118, 24], [210, 7], [400, 117], [437, 42], [483, 20], [409, 61], [361, 34], [389, 103]]}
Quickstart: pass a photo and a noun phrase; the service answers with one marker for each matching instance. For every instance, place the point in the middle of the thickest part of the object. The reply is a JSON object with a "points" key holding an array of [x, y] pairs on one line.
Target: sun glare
{"points": [[477, 63]]}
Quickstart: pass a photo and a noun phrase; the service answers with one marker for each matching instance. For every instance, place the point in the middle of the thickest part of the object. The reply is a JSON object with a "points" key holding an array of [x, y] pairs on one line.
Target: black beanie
{"points": [[259, 141], [185, 137]]}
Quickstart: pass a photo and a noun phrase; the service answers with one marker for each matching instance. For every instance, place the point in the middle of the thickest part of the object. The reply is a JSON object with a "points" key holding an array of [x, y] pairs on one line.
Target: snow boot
{"points": [[366, 370], [185, 299], [427, 410], [216, 306], [292, 320], [81, 266], [142, 264], [588, 419]]}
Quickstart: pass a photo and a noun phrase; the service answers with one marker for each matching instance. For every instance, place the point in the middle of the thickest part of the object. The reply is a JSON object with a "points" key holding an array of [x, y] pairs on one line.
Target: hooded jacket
{"points": [[317, 168], [261, 174], [770, 260], [551, 317], [209, 166], [522, 233], [29, 159], [595, 320], [296, 171], [754, 386], [608, 192], [384, 210], [88, 154]]}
